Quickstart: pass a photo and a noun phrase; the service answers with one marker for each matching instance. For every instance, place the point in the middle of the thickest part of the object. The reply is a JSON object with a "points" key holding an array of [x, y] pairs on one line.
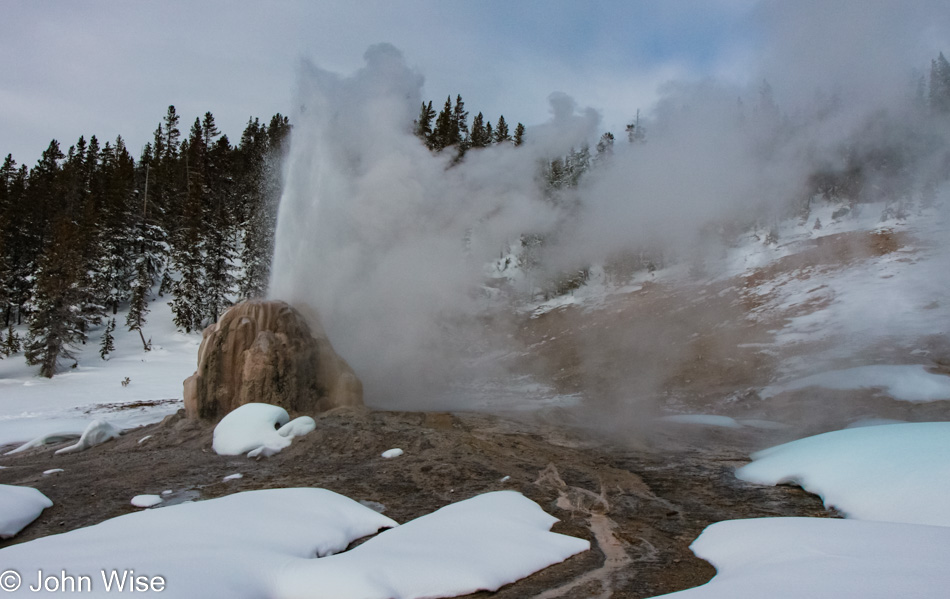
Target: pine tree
{"points": [[250, 157], [519, 135], [188, 303], [19, 242], [219, 236], [605, 147], [479, 138], [489, 133], [7, 203], [423, 127], [138, 304], [445, 131], [261, 220], [12, 343], [940, 85], [501, 131], [107, 345], [56, 325], [172, 135], [459, 128]]}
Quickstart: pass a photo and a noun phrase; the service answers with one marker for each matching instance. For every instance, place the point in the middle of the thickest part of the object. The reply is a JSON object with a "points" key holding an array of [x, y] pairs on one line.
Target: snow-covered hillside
{"points": [[131, 388]]}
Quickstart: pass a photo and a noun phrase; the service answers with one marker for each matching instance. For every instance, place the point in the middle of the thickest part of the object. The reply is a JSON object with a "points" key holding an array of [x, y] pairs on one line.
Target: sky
{"points": [[110, 67]]}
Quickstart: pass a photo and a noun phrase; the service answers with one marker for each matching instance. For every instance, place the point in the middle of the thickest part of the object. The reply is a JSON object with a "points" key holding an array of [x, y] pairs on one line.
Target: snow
{"points": [[146, 500], [722, 421], [907, 383], [893, 300], [52, 471], [234, 476], [703, 420], [18, 507], [46, 439], [298, 427], [264, 544], [890, 472], [392, 453], [97, 433], [251, 428], [34, 406], [481, 543], [790, 558]]}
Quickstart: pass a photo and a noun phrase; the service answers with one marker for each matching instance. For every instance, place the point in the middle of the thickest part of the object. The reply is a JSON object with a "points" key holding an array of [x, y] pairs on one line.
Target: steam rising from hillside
{"points": [[389, 243]]}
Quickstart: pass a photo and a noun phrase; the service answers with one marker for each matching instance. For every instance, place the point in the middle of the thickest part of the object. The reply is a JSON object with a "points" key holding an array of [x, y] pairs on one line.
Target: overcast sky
{"points": [[109, 67]]}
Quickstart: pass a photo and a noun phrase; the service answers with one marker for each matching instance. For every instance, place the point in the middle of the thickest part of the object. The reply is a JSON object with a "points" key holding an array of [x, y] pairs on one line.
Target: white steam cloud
{"points": [[389, 242]]}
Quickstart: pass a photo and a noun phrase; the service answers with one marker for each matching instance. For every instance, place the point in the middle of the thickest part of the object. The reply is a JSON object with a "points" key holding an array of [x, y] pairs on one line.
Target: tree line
{"points": [[449, 129], [91, 231]]}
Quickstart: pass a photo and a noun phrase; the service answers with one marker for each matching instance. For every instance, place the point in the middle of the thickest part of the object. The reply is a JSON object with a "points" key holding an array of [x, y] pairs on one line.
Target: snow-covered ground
{"points": [[911, 382], [31, 406], [894, 299], [20, 506], [790, 558], [891, 472], [894, 480], [287, 543]]}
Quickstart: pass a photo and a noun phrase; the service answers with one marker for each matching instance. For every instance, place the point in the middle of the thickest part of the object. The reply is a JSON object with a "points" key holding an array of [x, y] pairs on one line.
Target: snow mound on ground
{"points": [[395, 452], [908, 383], [146, 500], [45, 440], [702, 420], [264, 544], [252, 428], [298, 427], [891, 472], [252, 537], [18, 507], [790, 558], [97, 433], [482, 543]]}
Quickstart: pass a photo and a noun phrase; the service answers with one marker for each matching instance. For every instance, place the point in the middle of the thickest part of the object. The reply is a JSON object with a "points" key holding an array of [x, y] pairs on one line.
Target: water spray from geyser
{"points": [[385, 241]]}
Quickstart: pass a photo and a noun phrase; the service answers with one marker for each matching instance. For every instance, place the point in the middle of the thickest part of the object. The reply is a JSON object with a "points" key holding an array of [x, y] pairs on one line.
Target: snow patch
{"points": [[482, 543], [907, 383], [790, 558], [146, 500], [252, 428], [265, 542], [46, 439], [18, 507], [392, 453], [890, 472], [702, 419], [97, 433]]}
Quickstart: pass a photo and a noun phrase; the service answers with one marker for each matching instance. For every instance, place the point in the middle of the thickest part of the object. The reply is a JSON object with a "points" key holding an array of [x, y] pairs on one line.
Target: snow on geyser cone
{"points": [[385, 241]]}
